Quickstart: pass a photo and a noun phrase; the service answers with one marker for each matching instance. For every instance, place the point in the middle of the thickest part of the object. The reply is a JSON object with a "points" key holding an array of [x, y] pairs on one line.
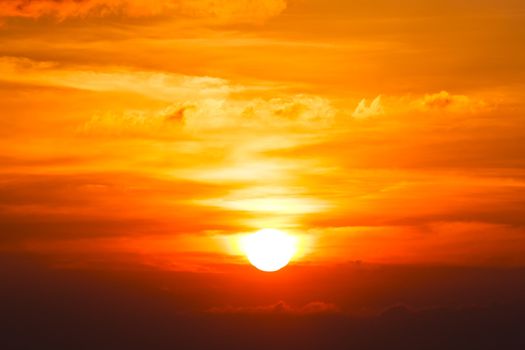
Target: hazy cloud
{"points": [[157, 85], [234, 11], [440, 101], [317, 307], [231, 11], [302, 110], [444, 100], [364, 111], [76, 206], [211, 114]]}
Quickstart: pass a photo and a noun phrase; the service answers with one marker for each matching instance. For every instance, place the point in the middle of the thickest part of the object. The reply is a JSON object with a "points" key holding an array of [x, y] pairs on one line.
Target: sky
{"points": [[141, 140]]}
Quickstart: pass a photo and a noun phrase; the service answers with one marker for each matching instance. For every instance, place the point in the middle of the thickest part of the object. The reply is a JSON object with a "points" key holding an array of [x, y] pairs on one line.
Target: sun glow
{"points": [[268, 249]]}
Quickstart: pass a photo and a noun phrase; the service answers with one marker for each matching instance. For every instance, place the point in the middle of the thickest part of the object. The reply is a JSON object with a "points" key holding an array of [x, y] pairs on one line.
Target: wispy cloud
{"points": [[444, 100], [313, 308], [364, 110], [231, 11]]}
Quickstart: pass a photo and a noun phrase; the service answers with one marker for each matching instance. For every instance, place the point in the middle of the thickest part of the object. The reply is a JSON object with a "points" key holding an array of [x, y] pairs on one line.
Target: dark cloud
{"points": [[133, 309], [317, 307]]}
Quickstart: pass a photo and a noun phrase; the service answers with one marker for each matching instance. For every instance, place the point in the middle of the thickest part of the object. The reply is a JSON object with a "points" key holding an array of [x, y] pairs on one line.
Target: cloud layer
{"points": [[313, 308], [231, 11]]}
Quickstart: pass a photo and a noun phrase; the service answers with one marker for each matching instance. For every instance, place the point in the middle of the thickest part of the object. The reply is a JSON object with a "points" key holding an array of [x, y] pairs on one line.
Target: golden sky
{"points": [[158, 132]]}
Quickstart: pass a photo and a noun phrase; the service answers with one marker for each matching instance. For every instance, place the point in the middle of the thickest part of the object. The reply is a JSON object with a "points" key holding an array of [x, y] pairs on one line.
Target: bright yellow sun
{"points": [[269, 250]]}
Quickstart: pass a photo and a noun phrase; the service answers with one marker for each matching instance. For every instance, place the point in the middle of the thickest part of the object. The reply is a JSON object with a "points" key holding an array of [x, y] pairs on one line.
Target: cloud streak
{"points": [[312, 308], [231, 11]]}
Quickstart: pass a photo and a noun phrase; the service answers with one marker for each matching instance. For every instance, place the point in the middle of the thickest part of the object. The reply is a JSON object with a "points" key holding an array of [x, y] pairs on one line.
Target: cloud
{"points": [[50, 207], [80, 8], [211, 114], [313, 308], [440, 101], [444, 100], [297, 110], [135, 123], [244, 11], [364, 111], [156, 85], [200, 102], [455, 308]]}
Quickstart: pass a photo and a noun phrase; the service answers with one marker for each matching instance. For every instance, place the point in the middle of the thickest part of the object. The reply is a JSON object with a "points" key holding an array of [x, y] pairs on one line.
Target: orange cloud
{"points": [[446, 101], [441, 101], [69, 8], [199, 114], [364, 111], [153, 84], [231, 11], [234, 11]]}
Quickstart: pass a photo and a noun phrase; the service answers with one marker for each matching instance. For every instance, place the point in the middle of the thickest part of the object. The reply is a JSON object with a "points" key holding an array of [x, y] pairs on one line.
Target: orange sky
{"points": [[158, 132]]}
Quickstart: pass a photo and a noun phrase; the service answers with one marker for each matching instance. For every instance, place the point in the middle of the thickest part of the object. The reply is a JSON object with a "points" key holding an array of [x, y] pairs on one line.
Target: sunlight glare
{"points": [[269, 249]]}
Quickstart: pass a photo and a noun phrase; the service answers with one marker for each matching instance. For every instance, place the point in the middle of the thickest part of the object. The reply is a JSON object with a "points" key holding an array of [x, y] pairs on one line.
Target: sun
{"points": [[269, 249]]}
